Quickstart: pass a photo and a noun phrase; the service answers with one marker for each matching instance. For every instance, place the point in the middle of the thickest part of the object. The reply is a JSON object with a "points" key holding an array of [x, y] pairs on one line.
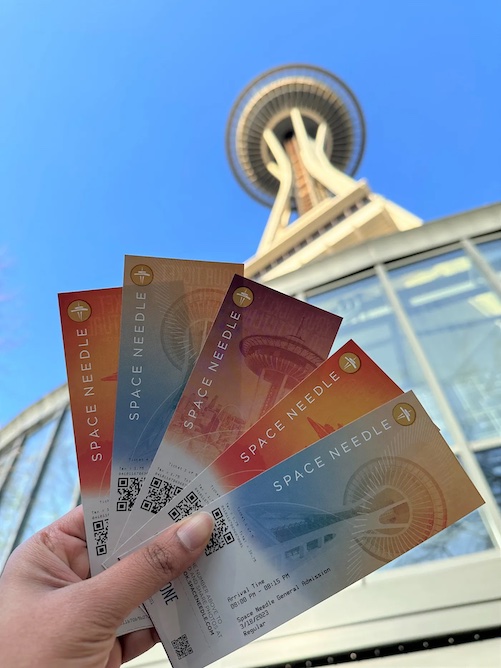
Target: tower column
{"points": [[307, 192], [282, 171], [316, 162]]}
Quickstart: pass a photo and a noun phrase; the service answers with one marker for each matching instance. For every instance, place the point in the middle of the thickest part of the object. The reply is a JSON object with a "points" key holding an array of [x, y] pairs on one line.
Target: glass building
{"points": [[426, 305]]}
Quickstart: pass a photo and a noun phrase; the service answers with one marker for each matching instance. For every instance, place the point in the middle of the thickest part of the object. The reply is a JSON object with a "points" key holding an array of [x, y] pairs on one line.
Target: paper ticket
{"points": [[309, 527], [343, 388], [263, 343], [168, 307], [90, 323]]}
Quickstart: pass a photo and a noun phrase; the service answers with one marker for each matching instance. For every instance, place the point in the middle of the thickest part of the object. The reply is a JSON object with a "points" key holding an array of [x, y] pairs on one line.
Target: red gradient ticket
{"points": [[90, 322]]}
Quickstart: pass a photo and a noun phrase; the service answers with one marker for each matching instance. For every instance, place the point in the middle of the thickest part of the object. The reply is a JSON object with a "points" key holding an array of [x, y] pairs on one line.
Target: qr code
{"points": [[128, 489], [221, 536], [159, 493], [100, 530], [185, 507], [182, 646]]}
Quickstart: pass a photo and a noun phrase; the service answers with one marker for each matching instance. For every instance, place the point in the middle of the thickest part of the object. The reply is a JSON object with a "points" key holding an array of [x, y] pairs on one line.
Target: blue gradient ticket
{"points": [[309, 527], [168, 307]]}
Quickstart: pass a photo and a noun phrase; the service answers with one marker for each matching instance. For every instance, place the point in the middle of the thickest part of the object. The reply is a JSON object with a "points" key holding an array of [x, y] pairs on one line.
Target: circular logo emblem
{"points": [[396, 502], [349, 363], [243, 297], [79, 311], [404, 414], [141, 274]]}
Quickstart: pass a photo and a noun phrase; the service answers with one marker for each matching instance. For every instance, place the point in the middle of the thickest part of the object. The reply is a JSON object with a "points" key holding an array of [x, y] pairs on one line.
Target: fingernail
{"points": [[195, 530]]}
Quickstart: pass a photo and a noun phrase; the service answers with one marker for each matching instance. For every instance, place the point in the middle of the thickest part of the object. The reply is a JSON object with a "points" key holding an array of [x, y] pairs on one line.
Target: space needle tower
{"points": [[295, 138]]}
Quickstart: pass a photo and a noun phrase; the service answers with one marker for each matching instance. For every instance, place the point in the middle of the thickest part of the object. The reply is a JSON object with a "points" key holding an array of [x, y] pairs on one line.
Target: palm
{"points": [[70, 619], [58, 564]]}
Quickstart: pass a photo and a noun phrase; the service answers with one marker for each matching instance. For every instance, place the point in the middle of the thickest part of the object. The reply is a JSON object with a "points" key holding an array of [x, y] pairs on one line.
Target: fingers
{"points": [[138, 576], [72, 523], [58, 550], [66, 538]]}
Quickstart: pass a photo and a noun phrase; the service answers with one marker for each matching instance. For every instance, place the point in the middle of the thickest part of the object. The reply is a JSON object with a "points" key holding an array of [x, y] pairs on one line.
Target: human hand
{"points": [[54, 616]]}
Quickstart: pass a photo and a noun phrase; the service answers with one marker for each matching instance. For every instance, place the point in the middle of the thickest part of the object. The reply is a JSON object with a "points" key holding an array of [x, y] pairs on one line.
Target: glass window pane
{"points": [[55, 493], [20, 483], [457, 319], [369, 320], [466, 536], [491, 250], [490, 461]]}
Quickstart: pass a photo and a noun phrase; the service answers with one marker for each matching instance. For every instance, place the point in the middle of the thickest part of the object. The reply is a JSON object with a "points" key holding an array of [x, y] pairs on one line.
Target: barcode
{"points": [[100, 530], [185, 507], [160, 492], [128, 489], [182, 646], [221, 536]]}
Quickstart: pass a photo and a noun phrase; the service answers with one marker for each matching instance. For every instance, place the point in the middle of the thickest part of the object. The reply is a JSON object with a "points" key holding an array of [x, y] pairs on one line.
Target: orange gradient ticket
{"points": [[343, 388]]}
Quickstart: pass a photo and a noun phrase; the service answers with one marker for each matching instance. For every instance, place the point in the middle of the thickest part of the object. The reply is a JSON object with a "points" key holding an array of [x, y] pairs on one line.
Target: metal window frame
{"points": [[490, 512], [13, 449], [27, 501], [485, 444]]}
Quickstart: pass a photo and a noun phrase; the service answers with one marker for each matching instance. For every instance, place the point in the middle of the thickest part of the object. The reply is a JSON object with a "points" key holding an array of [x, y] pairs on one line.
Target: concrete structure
{"points": [[424, 300]]}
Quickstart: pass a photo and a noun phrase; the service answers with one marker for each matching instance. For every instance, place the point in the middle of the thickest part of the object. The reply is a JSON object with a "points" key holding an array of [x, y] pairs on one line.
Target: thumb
{"points": [[125, 585]]}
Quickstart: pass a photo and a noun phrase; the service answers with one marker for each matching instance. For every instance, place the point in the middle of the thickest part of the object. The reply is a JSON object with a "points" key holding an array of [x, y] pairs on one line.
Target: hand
{"points": [[52, 615]]}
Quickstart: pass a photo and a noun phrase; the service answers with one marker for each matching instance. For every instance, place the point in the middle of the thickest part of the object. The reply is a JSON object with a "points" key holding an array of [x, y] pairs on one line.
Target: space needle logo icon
{"points": [[79, 311], [404, 414], [141, 274], [349, 362], [243, 297]]}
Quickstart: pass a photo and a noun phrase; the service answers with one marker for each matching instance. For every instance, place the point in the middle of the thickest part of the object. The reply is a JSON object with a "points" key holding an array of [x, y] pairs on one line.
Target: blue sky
{"points": [[112, 121]]}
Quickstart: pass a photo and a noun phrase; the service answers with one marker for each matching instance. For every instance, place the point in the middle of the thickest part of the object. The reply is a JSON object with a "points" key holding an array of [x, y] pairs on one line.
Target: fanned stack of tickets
{"points": [[193, 388]]}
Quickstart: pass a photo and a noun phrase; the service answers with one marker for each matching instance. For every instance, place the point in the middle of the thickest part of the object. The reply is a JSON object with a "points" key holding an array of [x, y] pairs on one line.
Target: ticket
{"points": [[90, 323], [311, 526], [168, 307], [343, 388], [263, 343]]}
